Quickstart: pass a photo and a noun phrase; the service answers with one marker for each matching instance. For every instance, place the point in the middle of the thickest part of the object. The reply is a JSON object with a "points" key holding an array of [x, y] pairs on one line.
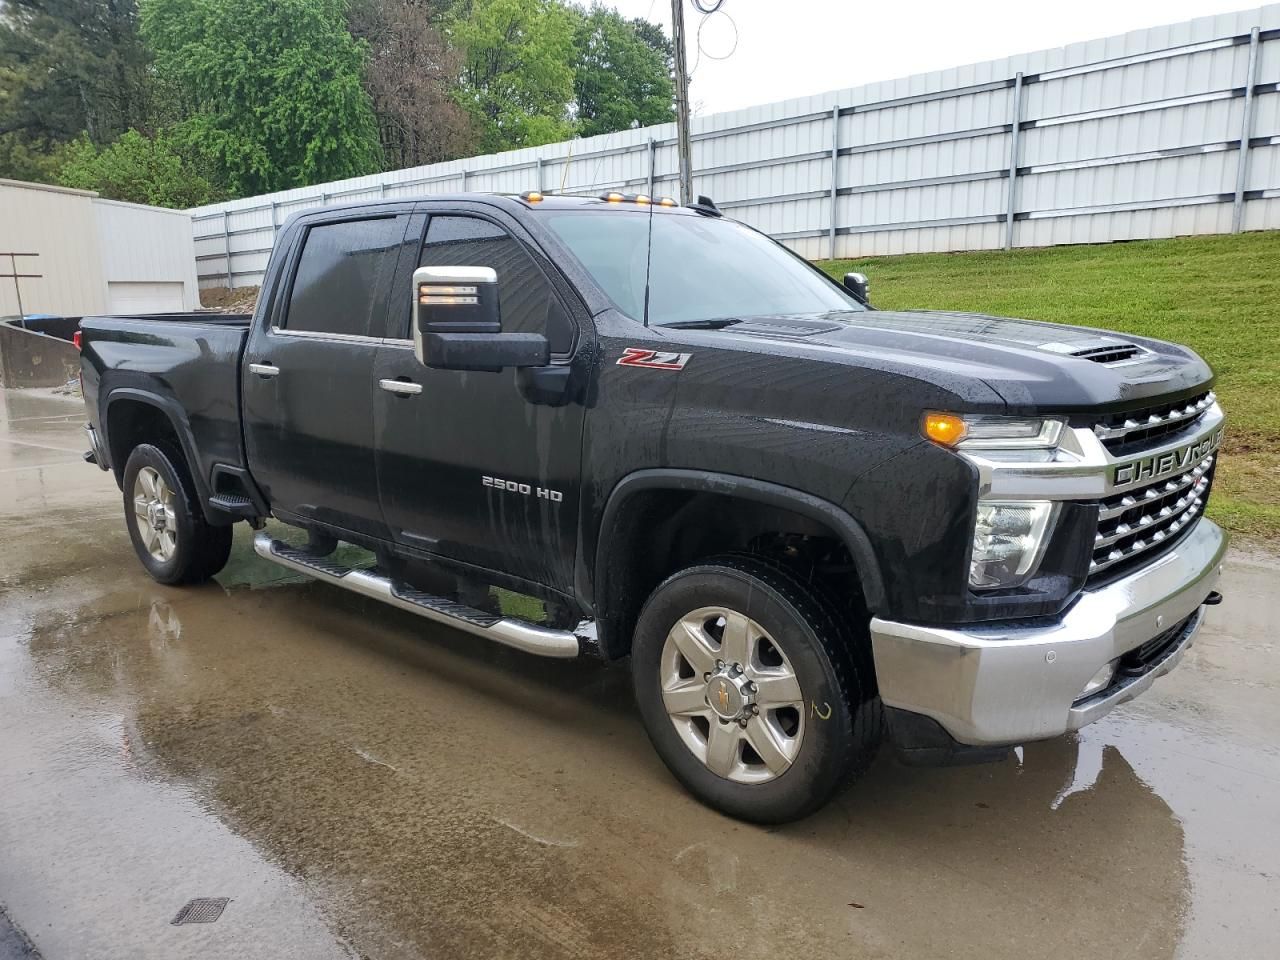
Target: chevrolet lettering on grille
{"points": [[1148, 469]]}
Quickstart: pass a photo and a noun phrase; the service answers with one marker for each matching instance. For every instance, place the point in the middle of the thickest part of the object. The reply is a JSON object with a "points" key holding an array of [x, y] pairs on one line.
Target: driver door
{"points": [[469, 468]]}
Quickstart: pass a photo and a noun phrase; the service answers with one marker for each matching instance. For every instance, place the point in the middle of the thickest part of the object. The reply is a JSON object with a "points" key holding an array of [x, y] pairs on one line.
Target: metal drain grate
{"points": [[201, 910]]}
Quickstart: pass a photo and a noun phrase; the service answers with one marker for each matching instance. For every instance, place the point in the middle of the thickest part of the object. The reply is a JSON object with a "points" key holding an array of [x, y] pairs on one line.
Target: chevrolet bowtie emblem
{"points": [[724, 695]]}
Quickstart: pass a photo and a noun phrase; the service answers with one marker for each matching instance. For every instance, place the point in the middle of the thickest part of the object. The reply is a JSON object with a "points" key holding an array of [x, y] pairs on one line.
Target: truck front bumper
{"points": [[999, 684]]}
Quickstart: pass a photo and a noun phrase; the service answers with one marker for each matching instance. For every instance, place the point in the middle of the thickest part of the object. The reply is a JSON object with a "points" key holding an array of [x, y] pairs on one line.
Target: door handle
{"points": [[265, 369], [402, 387]]}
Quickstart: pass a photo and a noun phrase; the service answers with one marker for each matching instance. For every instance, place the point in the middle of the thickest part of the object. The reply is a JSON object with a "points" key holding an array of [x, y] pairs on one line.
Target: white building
{"points": [[93, 255]]}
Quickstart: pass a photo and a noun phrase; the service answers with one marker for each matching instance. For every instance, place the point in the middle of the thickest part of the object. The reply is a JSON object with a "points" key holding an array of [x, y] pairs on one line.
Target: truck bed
{"points": [[196, 316], [187, 364]]}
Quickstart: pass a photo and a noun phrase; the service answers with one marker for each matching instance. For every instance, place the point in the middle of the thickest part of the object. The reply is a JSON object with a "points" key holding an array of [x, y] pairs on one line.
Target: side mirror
{"points": [[457, 324], [856, 283]]}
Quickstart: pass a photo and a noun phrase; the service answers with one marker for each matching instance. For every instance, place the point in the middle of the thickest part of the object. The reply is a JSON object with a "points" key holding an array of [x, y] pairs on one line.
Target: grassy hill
{"points": [[1219, 295]]}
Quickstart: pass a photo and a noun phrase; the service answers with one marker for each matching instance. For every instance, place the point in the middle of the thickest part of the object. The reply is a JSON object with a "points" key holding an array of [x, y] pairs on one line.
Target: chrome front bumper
{"points": [[1009, 683]]}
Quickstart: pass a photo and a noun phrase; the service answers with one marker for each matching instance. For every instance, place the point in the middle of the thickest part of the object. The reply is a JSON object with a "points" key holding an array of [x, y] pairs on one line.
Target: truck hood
{"points": [[1035, 366]]}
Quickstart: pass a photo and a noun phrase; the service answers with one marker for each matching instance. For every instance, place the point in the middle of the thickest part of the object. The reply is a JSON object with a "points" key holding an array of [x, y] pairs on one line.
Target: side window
{"points": [[344, 276], [525, 297]]}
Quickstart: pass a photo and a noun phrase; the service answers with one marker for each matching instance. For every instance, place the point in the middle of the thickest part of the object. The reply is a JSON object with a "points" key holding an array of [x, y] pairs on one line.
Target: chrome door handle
{"points": [[403, 387], [265, 369]]}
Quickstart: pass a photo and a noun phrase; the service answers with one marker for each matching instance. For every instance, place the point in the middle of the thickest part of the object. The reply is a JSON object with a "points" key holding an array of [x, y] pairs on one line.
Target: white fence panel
{"points": [[1161, 132]]}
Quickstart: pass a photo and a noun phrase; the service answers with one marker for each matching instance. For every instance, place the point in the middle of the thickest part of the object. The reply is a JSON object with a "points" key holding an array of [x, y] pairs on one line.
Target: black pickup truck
{"points": [[811, 524]]}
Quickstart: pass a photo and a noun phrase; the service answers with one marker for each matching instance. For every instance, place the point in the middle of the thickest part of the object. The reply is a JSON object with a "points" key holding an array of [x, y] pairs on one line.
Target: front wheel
{"points": [[168, 531], [752, 690]]}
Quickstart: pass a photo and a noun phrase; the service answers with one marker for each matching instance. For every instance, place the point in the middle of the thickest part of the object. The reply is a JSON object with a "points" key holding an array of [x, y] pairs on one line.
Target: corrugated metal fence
{"points": [[1162, 132]]}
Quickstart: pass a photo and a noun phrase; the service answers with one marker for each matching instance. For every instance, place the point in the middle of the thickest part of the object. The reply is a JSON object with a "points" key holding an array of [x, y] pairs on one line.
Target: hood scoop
{"points": [[1102, 350]]}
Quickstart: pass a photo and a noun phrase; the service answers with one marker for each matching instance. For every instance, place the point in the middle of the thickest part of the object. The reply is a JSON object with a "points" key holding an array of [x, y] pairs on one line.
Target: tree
{"points": [[67, 67], [272, 88], [411, 79], [622, 73], [517, 74], [135, 168]]}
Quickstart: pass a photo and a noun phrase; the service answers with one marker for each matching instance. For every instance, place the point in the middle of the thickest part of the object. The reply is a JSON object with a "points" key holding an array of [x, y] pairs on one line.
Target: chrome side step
{"points": [[528, 637]]}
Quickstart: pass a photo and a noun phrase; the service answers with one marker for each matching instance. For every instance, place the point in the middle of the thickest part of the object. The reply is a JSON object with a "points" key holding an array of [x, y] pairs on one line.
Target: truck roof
{"points": [[526, 202]]}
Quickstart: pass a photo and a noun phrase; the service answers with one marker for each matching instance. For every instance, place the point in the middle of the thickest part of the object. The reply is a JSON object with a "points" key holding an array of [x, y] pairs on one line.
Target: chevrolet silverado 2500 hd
{"points": [[812, 525]]}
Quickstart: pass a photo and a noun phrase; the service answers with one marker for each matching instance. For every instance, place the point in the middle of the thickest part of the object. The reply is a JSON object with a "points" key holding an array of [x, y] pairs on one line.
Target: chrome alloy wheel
{"points": [[732, 695], [153, 514]]}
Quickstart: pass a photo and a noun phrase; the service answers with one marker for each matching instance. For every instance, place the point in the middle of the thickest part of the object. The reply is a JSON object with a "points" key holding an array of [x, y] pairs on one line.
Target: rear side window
{"points": [[344, 276], [525, 296]]}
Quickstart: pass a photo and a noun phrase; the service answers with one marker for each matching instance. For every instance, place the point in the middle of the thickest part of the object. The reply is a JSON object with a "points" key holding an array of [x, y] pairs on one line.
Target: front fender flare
{"points": [[849, 530]]}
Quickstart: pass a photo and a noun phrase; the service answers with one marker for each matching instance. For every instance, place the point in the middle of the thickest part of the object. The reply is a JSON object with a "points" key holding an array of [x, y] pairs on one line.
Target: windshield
{"points": [[700, 268]]}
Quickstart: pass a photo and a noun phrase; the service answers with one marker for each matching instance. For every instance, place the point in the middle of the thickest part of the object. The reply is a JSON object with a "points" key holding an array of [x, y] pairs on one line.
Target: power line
{"points": [[703, 52]]}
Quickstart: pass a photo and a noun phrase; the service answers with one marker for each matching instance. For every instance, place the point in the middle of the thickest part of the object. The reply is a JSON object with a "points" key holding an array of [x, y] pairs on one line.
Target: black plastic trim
{"points": [[181, 427], [920, 741], [746, 488]]}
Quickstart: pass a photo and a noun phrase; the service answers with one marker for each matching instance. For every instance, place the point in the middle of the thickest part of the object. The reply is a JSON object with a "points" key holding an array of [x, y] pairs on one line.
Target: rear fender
{"points": [[177, 418]]}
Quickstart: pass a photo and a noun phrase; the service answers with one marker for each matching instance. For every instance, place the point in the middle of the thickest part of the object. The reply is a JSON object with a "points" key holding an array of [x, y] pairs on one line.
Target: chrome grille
{"points": [[1144, 522], [1129, 430]]}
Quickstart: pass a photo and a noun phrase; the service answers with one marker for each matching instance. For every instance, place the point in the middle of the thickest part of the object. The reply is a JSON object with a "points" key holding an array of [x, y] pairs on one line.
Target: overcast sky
{"points": [[790, 48]]}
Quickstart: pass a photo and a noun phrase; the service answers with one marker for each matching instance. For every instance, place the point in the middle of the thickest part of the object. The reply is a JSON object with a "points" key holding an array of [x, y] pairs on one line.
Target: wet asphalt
{"points": [[361, 784]]}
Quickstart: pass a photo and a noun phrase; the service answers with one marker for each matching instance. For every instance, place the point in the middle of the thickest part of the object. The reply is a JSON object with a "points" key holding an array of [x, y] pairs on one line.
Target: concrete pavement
{"points": [[359, 783]]}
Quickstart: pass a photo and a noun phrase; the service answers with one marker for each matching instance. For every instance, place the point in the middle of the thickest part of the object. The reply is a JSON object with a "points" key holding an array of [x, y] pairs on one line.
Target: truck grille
{"points": [[1124, 432], [1136, 527]]}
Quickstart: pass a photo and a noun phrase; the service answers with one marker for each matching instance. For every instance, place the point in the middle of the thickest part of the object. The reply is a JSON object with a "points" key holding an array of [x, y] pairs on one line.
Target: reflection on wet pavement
{"points": [[362, 784]]}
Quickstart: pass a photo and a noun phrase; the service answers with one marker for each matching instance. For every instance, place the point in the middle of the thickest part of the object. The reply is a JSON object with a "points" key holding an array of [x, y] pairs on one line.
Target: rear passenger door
{"points": [[308, 375]]}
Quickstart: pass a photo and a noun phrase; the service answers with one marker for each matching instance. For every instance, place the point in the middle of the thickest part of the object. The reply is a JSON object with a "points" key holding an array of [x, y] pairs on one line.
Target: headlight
{"points": [[1008, 540], [986, 433]]}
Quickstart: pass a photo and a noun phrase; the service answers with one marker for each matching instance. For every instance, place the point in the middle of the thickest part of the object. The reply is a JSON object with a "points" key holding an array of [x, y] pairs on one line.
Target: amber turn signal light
{"points": [[945, 428]]}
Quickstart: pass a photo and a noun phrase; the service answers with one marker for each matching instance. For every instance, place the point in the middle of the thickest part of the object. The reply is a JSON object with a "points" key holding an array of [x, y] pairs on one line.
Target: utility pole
{"points": [[682, 103]]}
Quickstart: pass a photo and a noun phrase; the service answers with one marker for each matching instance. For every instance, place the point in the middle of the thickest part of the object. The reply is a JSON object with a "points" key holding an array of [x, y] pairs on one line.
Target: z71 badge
{"points": [[653, 359]]}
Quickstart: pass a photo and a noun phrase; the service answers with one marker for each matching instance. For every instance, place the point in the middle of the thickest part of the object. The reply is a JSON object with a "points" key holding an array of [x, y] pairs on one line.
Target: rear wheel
{"points": [[168, 530], [752, 689]]}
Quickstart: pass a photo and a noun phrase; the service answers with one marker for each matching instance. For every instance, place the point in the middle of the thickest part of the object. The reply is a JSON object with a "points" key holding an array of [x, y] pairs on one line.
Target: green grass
{"points": [[1219, 295]]}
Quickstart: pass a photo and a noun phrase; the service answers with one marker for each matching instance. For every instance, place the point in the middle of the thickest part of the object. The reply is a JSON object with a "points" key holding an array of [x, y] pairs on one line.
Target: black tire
{"points": [[200, 550], [830, 657]]}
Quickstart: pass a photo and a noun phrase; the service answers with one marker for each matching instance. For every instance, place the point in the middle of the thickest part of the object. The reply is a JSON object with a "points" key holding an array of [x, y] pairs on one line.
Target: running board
{"points": [[528, 637]]}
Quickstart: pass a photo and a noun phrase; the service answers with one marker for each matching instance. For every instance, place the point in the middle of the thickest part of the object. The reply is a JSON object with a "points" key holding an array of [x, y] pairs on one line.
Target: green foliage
{"points": [[1218, 295], [622, 73], [411, 78], [249, 96], [71, 66], [517, 74], [22, 158], [272, 88], [67, 67], [135, 168]]}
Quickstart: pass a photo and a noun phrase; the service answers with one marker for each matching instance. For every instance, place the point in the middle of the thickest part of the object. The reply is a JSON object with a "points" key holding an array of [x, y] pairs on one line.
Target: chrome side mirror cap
{"points": [[856, 283]]}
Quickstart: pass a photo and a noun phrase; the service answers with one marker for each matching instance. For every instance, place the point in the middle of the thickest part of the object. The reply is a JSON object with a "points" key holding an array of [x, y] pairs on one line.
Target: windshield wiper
{"points": [[712, 324]]}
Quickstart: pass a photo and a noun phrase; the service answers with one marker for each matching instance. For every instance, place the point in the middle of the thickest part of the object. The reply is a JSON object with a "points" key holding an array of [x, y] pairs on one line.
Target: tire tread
{"points": [[210, 545], [852, 672]]}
